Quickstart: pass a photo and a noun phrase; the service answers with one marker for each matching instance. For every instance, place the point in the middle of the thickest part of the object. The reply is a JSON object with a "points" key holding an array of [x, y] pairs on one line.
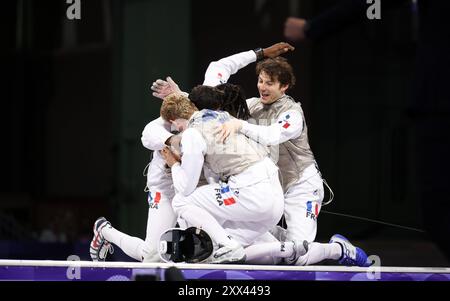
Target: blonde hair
{"points": [[177, 106]]}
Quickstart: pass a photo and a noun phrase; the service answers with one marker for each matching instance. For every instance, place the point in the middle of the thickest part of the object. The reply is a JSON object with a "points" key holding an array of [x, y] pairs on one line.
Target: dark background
{"points": [[76, 98]]}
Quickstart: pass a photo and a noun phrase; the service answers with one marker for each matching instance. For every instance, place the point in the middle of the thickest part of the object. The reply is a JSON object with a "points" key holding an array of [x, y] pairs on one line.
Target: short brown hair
{"points": [[278, 69], [177, 106]]}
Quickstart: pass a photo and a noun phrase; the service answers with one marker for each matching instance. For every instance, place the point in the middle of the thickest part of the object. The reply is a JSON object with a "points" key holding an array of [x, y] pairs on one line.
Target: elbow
{"points": [[146, 143], [185, 191], [150, 146], [217, 68], [212, 65], [153, 143]]}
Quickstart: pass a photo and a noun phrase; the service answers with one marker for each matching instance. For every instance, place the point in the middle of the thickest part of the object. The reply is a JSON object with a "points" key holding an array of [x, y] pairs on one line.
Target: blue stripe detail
{"points": [[309, 206], [225, 189], [209, 115]]}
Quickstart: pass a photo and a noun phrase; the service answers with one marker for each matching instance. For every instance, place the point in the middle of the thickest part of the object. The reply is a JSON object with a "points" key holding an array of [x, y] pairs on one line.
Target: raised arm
{"points": [[219, 72]]}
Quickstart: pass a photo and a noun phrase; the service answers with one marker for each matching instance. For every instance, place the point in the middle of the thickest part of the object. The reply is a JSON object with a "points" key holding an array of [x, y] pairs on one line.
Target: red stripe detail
{"points": [[157, 197], [286, 125], [95, 244], [229, 201], [317, 210]]}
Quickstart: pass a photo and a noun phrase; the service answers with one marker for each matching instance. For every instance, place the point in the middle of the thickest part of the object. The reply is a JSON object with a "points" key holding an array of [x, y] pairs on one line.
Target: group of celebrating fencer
{"points": [[226, 170]]}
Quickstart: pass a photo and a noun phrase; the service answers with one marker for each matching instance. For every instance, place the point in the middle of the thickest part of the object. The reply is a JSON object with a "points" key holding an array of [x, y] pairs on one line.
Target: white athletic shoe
{"points": [[100, 247], [300, 249]]}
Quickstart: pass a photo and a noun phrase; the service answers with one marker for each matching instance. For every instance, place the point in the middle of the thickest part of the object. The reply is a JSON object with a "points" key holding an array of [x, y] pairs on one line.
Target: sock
{"points": [[132, 246], [318, 252], [269, 253], [335, 251]]}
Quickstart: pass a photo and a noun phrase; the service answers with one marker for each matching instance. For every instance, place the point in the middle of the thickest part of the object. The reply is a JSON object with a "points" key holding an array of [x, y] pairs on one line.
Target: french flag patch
{"points": [[227, 198], [285, 123], [156, 199]]}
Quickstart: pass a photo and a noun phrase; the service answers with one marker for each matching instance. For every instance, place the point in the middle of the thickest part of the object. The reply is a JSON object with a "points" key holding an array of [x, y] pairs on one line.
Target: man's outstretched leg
{"points": [[105, 234]]}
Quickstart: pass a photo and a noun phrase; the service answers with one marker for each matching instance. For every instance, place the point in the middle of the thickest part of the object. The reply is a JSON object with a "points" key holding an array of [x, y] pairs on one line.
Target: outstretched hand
{"points": [[277, 49], [225, 130], [294, 29], [162, 88]]}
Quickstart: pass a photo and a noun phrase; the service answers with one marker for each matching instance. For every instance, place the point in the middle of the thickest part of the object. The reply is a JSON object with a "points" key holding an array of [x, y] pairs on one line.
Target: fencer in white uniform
{"points": [[247, 201], [282, 128]]}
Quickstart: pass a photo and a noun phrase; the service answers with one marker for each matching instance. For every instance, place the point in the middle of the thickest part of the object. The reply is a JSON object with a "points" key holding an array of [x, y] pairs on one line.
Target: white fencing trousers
{"points": [[160, 215], [302, 204], [245, 213]]}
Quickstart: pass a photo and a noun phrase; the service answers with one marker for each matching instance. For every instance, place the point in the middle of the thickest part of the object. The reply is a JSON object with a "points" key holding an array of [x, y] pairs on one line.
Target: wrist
{"points": [[259, 54], [240, 123]]}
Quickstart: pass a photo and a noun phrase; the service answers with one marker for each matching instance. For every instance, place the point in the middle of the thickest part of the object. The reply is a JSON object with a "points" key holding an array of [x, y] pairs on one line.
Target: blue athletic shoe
{"points": [[351, 255]]}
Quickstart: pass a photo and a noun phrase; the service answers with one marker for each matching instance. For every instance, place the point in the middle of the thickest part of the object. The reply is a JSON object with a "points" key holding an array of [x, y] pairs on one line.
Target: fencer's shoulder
{"points": [[291, 104], [192, 139], [292, 101]]}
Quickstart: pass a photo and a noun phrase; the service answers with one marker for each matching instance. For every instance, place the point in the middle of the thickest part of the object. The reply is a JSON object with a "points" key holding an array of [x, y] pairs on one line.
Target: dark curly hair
{"points": [[234, 101], [225, 97], [206, 97]]}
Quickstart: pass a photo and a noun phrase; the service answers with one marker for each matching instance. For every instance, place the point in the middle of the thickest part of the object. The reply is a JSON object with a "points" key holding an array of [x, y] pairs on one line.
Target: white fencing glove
{"points": [[162, 88]]}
